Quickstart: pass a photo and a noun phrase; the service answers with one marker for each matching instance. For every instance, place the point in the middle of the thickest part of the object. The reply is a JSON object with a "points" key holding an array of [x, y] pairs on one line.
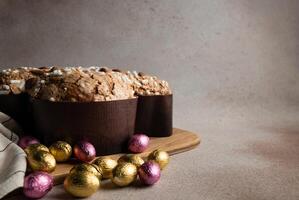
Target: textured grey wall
{"points": [[231, 53], [233, 66]]}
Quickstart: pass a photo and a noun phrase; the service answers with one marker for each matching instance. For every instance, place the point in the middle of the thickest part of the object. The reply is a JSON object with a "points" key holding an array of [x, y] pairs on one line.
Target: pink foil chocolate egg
{"points": [[84, 151], [37, 184], [26, 141], [138, 143], [149, 173]]}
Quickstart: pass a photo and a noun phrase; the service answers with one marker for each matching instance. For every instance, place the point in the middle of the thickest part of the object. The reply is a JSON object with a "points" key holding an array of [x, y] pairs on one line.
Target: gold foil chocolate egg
{"points": [[35, 147], [81, 184], [131, 158], [85, 167], [61, 151], [124, 174], [160, 157], [106, 165], [41, 161]]}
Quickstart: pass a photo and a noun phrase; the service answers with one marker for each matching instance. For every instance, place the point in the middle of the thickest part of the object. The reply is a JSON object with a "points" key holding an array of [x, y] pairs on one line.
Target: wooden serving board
{"points": [[179, 142]]}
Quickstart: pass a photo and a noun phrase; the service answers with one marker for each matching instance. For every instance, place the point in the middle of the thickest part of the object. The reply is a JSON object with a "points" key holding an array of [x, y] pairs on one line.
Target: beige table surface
{"points": [[233, 66], [235, 160]]}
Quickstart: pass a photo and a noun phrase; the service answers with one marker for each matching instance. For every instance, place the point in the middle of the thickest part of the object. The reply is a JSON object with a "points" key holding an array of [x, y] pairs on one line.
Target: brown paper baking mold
{"points": [[17, 107], [154, 115], [107, 125]]}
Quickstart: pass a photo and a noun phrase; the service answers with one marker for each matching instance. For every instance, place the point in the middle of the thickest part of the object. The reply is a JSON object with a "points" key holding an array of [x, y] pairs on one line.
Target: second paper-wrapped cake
{"points": [[97, 104]]}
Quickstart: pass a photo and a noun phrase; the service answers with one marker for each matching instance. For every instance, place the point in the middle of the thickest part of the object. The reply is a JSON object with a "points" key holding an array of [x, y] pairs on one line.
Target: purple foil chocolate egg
{"points": [[37, 184], [138, 143], [149, 173], [26, 141], [84, 151]]}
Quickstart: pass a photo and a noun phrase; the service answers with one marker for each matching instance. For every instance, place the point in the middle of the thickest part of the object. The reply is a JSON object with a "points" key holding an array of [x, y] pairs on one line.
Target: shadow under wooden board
{"points": [[179, 142]]}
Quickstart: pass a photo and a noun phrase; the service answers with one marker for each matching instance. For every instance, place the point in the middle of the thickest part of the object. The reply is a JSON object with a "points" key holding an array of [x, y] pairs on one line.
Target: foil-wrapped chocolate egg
{"points": [[81, 184], [41, 161], [124, 174], [161, 157], [35, 147], [149, 173], [84, 151], [85, 167], [61, 151], [131, 158], [138, 143], [25, 141], [106, 165], [37, 185]]}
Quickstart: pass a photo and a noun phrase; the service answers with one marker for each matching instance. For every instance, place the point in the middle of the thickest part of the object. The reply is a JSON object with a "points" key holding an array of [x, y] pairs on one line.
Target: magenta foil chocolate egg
{"points": [[26, 141], [149, 173], [84, 151], [37, 185], [138, 143]]}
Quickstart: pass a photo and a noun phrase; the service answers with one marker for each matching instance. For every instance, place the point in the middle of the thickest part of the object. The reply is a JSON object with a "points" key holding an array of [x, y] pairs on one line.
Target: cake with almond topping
{"points": [[80, 84], [100, 104]]}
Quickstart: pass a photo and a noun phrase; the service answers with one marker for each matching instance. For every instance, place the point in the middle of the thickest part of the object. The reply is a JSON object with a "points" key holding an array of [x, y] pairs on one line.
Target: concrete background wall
{"points": [[225, 52], [232, 64]]}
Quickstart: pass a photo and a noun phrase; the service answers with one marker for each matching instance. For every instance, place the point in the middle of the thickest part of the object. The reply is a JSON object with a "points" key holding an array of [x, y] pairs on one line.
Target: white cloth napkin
{"points": [[12, 157]]}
